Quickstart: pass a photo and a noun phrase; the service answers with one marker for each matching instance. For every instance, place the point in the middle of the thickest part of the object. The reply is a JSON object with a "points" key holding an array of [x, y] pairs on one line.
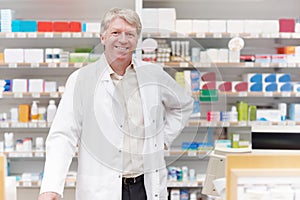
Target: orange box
{"points": [[24, 113], [286, 50], [1, 58], [75, 27]]}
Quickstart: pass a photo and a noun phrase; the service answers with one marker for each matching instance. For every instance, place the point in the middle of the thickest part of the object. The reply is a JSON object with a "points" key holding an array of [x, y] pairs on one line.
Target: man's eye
{"points": [[115, 33]]}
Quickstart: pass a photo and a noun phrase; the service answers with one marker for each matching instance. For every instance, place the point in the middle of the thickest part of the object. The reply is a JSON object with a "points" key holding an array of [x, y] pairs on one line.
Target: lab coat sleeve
{"points": [[61, 141], [178, 108]]}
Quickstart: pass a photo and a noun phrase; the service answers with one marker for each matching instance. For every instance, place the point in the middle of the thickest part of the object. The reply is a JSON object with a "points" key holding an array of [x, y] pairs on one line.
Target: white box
{"points": [[19, 85], [252, 26], [223, 55], [34, 55], [36, 85], [166, 19], [184, 26], [213, 54], [150, 20], [200, 26], [50, 86], [93, 27], [234, 56], [270, 26], [235, 26], [217, 26], [270, 115], [14, 55]]}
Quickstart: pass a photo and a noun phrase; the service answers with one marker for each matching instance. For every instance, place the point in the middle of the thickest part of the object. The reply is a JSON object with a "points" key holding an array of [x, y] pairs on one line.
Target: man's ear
{"points": [[102, 38]]}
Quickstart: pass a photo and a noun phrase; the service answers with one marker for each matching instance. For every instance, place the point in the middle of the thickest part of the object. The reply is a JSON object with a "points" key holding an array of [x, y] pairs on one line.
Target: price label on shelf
{"points": [[285, 94], [21, 35], [42, 124], [76, 35], [285, 35], [48, 35], [242, 94], [32, 35], [18, 95], [52, 65], [183, 64], [27, 184], [291, 123], [32, 125], [54, 94], [249, 64], [266, 35], [225, 124], [234, 35], [192, 153], [4, 125], [88, 35], [36, 95], [296, 35], [78, 65], [291, 64], [242, 123], [165, 34], [64, 65], [34, 65], [254, 35], [200, 35], [217, 35], [274, 35], [9, 35], [12, 65], [265, 64], [268, 94], [282, 64], [66, 35]]}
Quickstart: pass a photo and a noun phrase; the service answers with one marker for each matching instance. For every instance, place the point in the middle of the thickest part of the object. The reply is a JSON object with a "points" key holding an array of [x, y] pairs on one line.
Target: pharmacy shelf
{"points": [[260, 94], [204, 123], [72, 183], [222, 35], [51, 66], [49, 35], [189, 65], [30, 95]]}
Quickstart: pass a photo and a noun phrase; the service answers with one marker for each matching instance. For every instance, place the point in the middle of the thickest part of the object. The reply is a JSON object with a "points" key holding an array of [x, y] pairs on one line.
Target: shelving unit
{"points": [[197, 129]]}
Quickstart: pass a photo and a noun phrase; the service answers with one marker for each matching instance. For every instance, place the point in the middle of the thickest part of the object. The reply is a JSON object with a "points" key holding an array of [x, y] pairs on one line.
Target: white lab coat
{"points": [[89, 115]]}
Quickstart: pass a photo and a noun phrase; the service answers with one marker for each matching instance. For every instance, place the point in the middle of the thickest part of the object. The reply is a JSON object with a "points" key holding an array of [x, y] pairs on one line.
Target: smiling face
{"points": [[120, 40]]}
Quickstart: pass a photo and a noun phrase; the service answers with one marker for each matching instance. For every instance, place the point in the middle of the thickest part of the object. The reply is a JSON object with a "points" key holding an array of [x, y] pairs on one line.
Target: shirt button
{"points": [[156, 195], [119, 176], [121, 126], [155, 145], [153, 121]]}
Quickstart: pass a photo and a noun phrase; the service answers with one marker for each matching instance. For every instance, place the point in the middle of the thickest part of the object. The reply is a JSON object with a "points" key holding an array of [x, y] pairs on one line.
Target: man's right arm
{"points": [[61, 142]]}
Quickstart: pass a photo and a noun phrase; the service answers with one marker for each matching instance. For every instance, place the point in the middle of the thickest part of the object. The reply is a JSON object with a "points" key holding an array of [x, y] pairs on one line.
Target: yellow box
{"points": [[2, 177], [24, 113]]}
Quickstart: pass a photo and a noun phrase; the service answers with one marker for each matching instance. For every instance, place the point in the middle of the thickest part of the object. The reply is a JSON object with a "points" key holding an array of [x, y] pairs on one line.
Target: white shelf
{"points": [[23, 95], [48, 35], [224, 35]]}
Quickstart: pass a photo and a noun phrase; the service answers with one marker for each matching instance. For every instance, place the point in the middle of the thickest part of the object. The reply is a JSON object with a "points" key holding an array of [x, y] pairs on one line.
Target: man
{"points": [[122, 113]]}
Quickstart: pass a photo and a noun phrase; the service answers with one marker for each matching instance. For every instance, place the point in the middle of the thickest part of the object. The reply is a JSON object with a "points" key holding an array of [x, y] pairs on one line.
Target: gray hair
{"points": [[128, 15]]}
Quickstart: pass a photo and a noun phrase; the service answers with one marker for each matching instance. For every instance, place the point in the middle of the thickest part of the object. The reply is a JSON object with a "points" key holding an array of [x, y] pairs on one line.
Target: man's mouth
{"points": [[122, 48]]}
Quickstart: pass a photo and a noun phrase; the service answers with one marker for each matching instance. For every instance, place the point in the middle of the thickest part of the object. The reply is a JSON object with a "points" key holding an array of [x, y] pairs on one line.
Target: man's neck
{"points": [[119, 67]]}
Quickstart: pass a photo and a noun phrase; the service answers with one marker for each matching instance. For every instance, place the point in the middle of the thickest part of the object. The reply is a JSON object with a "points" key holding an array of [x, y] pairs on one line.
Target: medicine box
{"points": [[19, 85]]}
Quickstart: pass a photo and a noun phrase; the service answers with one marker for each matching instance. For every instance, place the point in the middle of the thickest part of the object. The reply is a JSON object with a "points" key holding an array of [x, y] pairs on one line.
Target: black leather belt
{"points": [[133, 180]]}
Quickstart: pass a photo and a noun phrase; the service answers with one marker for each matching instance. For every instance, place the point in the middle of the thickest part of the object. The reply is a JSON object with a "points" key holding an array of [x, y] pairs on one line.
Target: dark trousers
{"points": [[133, 188]]}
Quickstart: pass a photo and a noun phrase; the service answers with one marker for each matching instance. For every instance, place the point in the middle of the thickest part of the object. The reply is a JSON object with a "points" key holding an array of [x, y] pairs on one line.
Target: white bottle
{"points": [[8, 142], [34, 112], [51, 110], [233, 114]]}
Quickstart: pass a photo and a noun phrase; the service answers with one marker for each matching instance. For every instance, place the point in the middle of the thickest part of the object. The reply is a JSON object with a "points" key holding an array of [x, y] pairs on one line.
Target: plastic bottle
{"points": [[233, 114], [51, 110], [34, 111]]}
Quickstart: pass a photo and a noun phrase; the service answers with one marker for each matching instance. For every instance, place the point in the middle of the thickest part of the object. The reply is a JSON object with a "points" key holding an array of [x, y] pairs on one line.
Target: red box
{"points": [[287, 25], [45, 26], [75, 27], [60, 26]]}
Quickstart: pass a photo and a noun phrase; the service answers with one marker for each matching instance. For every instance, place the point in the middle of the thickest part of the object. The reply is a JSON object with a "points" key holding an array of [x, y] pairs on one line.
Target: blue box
{"points": [[253, 78], [285, 87], [270, 87], [269, 77], [255, 87], [283, 77]]}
